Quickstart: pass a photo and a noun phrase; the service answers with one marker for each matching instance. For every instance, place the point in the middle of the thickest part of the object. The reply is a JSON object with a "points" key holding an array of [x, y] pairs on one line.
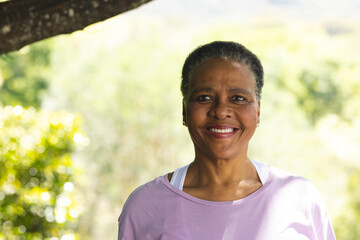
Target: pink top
{"points": [[285, 207]]}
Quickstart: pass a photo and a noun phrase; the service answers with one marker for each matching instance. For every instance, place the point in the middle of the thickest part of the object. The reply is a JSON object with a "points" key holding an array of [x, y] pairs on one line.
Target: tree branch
{"points": [[26, 21]]}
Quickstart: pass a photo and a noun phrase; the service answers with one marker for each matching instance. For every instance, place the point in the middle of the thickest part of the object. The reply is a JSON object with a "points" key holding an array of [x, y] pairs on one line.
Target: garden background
{"points": [[85, 118]]}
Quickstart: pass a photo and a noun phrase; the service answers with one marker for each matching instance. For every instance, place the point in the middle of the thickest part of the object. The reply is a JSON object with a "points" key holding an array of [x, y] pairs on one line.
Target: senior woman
{"points": [[223, 194]]}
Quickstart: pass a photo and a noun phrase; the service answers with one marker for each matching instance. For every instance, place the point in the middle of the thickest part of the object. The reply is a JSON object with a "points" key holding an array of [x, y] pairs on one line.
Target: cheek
{"points": [[248, 115], [195, 113]]}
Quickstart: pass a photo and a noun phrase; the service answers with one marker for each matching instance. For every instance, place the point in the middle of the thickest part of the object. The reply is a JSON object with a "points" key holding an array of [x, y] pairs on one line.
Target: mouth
{"points": [[221, 131]]}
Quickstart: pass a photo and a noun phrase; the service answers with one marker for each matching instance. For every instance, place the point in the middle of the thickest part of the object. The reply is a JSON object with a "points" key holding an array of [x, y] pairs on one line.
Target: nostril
{"points": [[222, 114], [220, 111]]}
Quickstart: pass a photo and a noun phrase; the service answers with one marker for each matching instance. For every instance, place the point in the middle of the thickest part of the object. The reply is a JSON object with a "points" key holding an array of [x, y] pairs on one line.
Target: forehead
{"points": [[221, 72]]}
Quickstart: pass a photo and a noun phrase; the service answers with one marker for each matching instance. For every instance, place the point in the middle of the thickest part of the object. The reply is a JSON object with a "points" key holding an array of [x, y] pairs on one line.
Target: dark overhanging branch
{"points": [[26, 21]]}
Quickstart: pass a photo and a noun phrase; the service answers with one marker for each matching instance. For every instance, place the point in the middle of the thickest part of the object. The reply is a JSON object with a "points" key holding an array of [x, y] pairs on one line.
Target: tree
{"points": [[24, 75], [37, 173], [320, 94], [26, 21], [347, 225]]}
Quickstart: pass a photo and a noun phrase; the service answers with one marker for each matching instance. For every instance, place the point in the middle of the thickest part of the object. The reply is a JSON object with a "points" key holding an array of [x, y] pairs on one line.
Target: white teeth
{"points": [[223, 130]]}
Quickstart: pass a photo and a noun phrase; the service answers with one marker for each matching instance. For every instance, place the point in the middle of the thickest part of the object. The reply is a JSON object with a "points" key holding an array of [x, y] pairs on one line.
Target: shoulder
{"points": [[149, 199], [305, 194], [298, 197], [144, 195], [283, 177], [294, 186], [140, 206], [300, 190]]}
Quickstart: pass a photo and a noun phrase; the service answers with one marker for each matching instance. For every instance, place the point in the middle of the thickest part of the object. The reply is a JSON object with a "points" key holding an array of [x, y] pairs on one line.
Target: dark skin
{"points": [[221, 112]]}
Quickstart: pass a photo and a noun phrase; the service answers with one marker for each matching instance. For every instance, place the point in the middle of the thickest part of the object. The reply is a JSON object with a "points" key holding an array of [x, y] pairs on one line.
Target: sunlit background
{"points": [[85, 118]]}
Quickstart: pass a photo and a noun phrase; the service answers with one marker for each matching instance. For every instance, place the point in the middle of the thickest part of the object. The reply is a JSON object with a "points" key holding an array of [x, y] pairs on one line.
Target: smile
{"points": [[222, 130]]}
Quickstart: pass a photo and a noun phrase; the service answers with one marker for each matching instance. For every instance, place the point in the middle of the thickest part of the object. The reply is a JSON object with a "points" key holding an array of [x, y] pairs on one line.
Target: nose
{"points": [[220, 110]]}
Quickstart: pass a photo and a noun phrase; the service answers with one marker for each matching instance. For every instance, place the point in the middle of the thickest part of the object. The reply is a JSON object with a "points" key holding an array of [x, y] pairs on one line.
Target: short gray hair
{"points": [[225, 50]]}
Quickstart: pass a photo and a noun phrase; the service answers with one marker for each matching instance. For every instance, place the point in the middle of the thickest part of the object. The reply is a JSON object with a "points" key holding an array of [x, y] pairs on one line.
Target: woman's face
{"points": [[221, 110]]}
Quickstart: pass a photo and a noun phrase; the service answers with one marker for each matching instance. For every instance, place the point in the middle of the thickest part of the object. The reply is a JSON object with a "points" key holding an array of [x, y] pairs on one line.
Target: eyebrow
{"points": [[239, 90], [203, 89], [231, 90]]}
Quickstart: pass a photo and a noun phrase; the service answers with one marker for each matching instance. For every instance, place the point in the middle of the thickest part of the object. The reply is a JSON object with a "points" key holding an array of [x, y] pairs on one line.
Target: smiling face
{"points": [[221, 110]]}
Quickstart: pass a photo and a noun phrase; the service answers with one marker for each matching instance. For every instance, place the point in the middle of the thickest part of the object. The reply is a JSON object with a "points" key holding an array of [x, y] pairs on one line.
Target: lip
{"points": [[221, 135]]}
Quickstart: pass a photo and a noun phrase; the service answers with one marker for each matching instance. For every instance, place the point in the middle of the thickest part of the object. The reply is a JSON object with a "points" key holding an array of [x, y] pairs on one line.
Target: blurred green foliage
{"points": [[24, 75], [37, 173], [320, 94], [347, 225]]}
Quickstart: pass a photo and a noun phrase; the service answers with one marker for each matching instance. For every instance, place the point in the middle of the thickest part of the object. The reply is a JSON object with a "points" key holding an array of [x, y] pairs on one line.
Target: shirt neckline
{"points": [[248, 198]]}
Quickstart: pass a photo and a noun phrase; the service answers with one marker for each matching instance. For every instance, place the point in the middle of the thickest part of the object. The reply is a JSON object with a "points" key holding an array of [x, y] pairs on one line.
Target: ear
{"points": [[258, 110], [184, 113]]}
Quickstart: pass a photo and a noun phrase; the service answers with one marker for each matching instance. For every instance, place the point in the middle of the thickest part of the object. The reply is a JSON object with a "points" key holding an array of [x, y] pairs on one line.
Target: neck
{"points": [[220, 172]]}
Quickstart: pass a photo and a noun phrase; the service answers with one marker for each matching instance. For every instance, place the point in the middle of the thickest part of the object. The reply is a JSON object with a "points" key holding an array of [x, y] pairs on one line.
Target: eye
{"points": [[238, 99], [204, 99]]}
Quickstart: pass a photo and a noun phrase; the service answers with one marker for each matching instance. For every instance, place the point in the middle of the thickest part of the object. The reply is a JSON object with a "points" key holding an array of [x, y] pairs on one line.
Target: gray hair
{"points": [[224, 50]]}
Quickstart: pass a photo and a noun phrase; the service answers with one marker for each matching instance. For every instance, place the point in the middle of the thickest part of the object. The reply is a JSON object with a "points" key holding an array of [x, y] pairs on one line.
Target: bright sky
{"points": [[207, 10]]}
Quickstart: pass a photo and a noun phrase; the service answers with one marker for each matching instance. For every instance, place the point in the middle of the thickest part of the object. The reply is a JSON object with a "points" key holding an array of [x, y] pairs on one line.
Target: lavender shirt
{"points": [[285, 207]]}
